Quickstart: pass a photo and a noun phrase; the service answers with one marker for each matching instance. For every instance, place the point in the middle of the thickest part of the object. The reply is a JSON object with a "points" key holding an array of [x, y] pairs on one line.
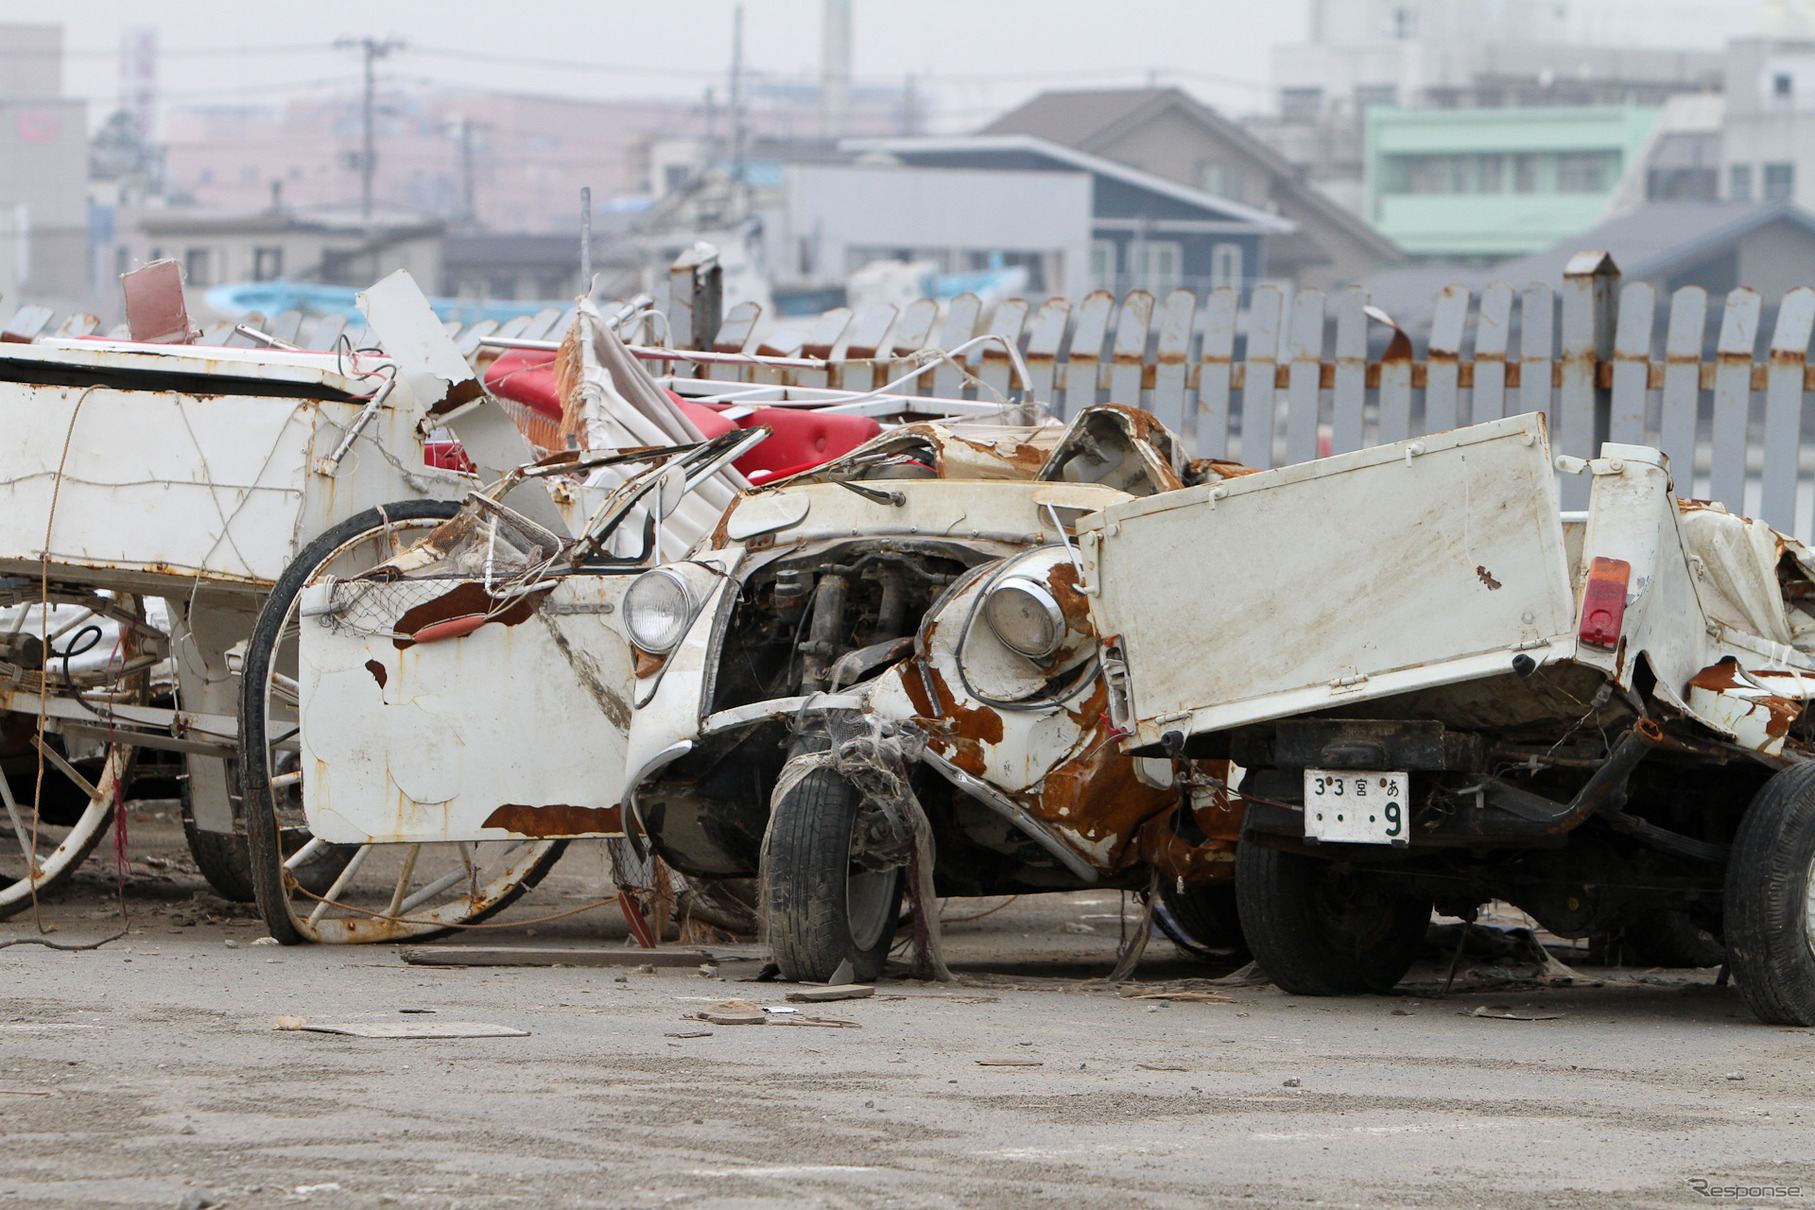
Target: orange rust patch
{"points": [[378, 672], [1163, 849], [461, 602], [1716, 677], [1063, 580], [1487, 577], [556, 819], [647, 664]]}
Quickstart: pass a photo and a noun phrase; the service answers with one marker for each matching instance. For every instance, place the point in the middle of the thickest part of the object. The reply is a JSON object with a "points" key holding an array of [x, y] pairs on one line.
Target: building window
{"points": [[1369, 95], [1224, 180], [1781, 85], [1434, 173], [1157, 266], [1226, 266], [1587, 171], [1491, 173], [267, 264], [1525, 173], [1301, 104], [1102, 264], [195, 267], [1780, 182], [1739, 183], [1405, 23]]}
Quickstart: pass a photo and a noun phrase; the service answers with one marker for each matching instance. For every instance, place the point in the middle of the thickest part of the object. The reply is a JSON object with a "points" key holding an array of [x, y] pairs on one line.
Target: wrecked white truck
{"points": [[1443, 690], [883, 656]]}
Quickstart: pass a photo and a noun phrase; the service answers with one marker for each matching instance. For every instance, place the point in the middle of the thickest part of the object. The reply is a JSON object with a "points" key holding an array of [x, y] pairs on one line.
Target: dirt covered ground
{"points": [[148, 1073]]}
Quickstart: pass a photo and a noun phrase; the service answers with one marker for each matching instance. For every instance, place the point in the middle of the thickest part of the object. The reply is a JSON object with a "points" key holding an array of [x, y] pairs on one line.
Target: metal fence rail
{"points": [[1285, 379]]}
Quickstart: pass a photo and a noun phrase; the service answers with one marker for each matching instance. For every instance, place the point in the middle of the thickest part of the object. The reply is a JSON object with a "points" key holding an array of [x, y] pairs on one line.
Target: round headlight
{"points": [[1025, 616], [657, 609]]}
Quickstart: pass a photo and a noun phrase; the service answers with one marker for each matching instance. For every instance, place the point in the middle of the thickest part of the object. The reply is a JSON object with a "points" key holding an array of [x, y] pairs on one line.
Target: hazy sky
{"points": [[982, 55]]}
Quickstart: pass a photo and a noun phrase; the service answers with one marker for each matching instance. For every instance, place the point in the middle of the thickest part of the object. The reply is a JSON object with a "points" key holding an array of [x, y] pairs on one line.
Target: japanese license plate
{"points": [[1357, 806]]}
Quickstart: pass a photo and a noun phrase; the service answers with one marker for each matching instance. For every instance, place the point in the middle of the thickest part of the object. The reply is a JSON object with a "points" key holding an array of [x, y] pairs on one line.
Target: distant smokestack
{"points": [[835, 70]]}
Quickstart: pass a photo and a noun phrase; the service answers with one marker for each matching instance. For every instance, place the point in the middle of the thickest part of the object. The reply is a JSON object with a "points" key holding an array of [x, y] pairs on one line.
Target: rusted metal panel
{"points": [[1589, 283], [1632, 363], [1134, 323], [1537, 345], [1260, 393], [1170, 368], [1395, 383], [155, 310], [1442, 378], [1478, 575], [1783, 408], [1493, 327], [1682, 384], [1304, 391], [1215, 369], [991, 360], [398, 757], [1733, 398], [1044, 340], [1349, 376], [1086, 353]]}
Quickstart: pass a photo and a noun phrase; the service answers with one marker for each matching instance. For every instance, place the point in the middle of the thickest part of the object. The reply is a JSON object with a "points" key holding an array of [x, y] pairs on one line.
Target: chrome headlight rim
{"points": [[689, 608], [1042, 598]]}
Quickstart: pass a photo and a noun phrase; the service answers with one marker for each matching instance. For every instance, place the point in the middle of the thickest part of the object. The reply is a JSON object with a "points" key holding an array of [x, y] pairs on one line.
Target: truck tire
{"points": [[821, 910], [1319, 931], [1770, 921], [223, 859], [1202, 921]]}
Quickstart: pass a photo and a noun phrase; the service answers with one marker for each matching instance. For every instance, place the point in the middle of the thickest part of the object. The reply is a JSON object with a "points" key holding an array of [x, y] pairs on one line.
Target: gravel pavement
{"points": [[149, 1073]]}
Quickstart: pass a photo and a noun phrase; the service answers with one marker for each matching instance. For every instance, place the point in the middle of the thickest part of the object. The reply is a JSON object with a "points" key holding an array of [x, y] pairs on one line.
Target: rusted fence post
{"points": [[1590, 287]]}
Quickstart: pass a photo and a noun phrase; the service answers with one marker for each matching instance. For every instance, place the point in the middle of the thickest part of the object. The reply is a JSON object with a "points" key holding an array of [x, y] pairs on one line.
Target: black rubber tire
{"points": [[806, 868], [264, 845], [1284, 902], [224, 860], [1203, 921], [1672, 939], [1767, 928]]}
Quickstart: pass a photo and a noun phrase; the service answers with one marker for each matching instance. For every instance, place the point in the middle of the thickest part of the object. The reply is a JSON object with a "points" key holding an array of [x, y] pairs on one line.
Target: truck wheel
{"points": [[823, 909], [1770, 915], [1320, 931], [222, 858], [1202, 921]]}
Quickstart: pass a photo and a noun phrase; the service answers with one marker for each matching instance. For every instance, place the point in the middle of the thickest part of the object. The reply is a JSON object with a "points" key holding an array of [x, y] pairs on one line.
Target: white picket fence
{"points": [[1285, 379]]}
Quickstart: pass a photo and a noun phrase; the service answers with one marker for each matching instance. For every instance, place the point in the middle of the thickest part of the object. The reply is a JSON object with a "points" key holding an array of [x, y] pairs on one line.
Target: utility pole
{"points": [[374, 49]]}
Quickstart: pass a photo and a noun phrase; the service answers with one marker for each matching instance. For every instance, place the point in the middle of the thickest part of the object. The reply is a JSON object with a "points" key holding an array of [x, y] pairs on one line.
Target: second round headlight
{"points": [[657, 609], [1024, 615]]}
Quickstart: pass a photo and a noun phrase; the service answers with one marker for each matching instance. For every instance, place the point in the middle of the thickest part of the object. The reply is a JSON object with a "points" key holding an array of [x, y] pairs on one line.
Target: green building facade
{"points": [[1491, 183]]}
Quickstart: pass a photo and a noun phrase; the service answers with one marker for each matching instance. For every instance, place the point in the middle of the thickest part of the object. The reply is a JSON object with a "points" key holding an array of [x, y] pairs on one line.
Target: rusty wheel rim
{"points": [[352, 894], [37, 854]]}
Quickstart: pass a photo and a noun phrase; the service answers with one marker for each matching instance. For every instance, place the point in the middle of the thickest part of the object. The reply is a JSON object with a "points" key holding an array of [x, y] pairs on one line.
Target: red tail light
{"points": [[1604, 602]]}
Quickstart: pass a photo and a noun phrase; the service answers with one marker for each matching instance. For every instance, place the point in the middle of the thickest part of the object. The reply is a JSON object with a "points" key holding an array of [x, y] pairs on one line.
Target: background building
{"points": [[43, 171], [1484, 184]]}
